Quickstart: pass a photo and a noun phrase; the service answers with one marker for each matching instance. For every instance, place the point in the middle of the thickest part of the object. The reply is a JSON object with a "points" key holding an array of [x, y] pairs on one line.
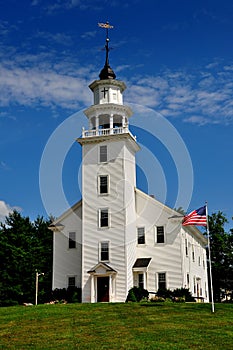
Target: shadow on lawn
{"points": [[152, 304]]}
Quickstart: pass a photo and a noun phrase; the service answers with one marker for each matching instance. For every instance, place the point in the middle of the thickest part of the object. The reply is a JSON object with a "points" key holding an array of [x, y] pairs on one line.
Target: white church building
{"points": [[117, 236]]}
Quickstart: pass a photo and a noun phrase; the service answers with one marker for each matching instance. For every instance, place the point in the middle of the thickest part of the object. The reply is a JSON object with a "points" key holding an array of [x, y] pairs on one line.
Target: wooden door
{"points": [[102, 289]]}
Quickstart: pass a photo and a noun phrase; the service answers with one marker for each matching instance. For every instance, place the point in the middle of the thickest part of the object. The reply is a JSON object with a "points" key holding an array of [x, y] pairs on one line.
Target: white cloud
{"points": [[6, 209], [57, 38], [88, 35], [31, 84], [201, 96]]}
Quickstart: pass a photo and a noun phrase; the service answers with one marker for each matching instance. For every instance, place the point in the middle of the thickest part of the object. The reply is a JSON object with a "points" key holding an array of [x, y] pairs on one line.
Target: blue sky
{"points": [[176, 58]]}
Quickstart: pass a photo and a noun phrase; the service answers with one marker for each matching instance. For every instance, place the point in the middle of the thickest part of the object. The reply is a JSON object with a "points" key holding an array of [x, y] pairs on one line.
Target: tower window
{"points": [[103, 154], [103, 184], [160, 234], [103, 218], [141, 235], [104, 251], [72, 240]]}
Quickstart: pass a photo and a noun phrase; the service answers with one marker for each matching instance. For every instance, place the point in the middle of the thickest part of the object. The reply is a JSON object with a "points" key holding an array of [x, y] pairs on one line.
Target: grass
{"points": [[117, 326]]}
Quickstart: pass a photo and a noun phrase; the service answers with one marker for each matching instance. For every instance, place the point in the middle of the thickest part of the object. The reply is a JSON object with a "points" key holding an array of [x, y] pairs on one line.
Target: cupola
{"points": [[108, 115]]}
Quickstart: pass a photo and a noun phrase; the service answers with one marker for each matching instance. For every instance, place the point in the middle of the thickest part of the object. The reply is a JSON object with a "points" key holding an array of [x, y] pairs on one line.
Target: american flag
{"points": [[196, 217]]}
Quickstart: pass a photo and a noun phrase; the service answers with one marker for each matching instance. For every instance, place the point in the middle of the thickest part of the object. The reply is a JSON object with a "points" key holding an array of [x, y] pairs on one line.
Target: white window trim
{"points": [[98, 184], [99, 161], [141, 244], [186, 247], [155, 234], [108, 242], [166, 279], [99, 214], [75, 240]]}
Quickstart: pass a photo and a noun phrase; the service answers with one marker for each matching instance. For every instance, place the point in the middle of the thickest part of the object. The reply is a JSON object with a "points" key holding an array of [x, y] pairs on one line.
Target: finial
{"points": [[107, 72]]}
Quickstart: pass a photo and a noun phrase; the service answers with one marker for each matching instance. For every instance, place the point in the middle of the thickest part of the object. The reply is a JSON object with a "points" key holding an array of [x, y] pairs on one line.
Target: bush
{"points": [[182, 295], [164, 293], [137, 294], [177, 295], [70, 294]]}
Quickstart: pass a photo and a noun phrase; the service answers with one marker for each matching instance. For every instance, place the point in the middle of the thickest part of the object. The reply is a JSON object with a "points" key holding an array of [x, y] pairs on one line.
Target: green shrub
{"points": [[177, 295], [137, 294], [70, 295], [182, 295]]}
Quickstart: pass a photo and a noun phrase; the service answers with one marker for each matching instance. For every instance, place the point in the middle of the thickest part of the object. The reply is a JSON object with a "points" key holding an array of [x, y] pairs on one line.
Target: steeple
{"points": [[107, 72], [108, 116]]}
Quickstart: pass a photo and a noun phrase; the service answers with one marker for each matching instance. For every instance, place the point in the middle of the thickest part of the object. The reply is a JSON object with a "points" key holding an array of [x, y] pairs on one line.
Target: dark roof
{"points": [[142, 262], [107, 73]]}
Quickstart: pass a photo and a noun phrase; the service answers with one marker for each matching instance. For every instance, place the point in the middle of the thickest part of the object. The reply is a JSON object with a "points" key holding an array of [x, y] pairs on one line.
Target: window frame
{"points": [[186, 247], [101, 211], [188, 279], [157, 234], [71, 285], [160, 274], [139, 237], [193, 253], [141, 282], [72, 241], [101, 154], [107, 243], [99, 185]]}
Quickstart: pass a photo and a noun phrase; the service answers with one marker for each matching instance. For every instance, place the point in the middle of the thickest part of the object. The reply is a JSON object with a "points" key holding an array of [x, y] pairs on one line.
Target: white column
{"points": [[111, 123], [144, 280], [97, 124], [92, 289], [110, 288], [123, 121]]}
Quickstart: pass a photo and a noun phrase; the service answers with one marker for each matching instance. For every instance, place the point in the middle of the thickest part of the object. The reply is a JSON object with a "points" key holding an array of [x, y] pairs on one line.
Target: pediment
{"points": [[102, 269]]}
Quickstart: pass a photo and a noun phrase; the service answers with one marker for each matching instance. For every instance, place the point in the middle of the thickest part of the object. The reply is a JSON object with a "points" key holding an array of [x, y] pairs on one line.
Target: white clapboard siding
{"points": [[67, 262]]}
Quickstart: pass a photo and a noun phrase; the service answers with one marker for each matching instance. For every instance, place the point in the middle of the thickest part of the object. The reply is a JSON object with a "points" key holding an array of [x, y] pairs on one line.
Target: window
{"points": [[193, 253], [188, 279], [160, 234], [103, 154], [103, 184], [162, 280], [141, 235], [71, 281], [103, 218], [186, 246], [104, 251], [140, 280], [72, 240]]}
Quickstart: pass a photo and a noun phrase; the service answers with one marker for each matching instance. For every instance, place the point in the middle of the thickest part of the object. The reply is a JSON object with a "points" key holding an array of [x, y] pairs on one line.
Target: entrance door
{"points": [[102, 289]]}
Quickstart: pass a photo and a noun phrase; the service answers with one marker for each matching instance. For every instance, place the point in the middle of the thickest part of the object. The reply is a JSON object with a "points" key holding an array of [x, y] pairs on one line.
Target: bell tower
{"points": [[108, 191]]}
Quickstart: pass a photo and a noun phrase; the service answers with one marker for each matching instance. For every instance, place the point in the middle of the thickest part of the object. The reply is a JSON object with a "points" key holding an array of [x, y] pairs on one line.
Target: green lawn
{"points": [[117, 326]]}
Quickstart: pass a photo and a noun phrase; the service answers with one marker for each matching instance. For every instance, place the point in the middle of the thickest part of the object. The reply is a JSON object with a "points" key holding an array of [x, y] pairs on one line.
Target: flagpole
{"points": [[210, 264]]}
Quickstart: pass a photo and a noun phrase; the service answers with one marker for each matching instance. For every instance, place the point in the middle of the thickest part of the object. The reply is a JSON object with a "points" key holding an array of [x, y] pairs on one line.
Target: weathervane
{"points": [[106, 26]]}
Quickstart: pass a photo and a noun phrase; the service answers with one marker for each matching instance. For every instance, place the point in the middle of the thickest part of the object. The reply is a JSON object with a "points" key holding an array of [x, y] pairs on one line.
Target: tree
{"points": [[25, 247], [221, 245]]}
